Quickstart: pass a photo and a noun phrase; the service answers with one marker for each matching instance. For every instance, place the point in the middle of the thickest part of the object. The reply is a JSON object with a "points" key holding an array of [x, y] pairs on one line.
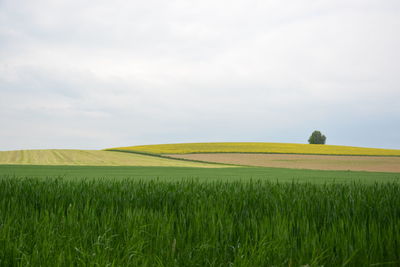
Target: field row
{"points": [[285, 148], [316, 162], [200, 160], [92, 158], [177, 174]]}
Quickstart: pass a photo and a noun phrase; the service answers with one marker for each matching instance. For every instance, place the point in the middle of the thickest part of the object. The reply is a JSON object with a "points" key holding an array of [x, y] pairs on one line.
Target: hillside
{"points": [[91, 158], [300, 161], [281, 148]]}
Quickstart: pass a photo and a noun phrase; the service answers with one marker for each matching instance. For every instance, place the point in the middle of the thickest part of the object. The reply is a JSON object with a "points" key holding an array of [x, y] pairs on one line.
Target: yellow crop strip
{"points": [[93, 158], [285, 148]]}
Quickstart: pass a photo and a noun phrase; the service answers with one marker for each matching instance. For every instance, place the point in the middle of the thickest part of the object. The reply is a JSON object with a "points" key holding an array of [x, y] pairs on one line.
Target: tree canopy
{"points": [[317, 138]]}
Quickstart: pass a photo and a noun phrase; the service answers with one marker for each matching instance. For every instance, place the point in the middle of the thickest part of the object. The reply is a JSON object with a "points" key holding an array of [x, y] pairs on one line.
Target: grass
{"points": [[181, 216], [242, 174], [91, 157], [186, 148], [131, 222]]}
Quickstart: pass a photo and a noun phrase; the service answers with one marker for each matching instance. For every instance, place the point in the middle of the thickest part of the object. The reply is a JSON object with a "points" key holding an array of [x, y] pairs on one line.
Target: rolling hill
{"points": [[244, 147], [280, 155]]}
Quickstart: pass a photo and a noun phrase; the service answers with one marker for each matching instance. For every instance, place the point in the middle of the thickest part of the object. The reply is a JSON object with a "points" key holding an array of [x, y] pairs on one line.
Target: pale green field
{"points": [[91, 158], [243, 147]]}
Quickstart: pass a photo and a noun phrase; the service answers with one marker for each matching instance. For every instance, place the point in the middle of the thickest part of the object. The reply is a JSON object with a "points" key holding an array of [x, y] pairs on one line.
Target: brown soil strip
{"points": [[316, 162]]}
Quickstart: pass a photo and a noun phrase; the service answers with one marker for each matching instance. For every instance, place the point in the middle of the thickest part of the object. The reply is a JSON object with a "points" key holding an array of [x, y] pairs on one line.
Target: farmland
{"points": [[105, 208], [138, 222], [283, 148], [203, 175], [90, 157], [317, 162]]}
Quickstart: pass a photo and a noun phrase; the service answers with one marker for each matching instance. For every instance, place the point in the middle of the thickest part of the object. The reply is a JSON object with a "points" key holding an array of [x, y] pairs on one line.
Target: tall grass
{"points": [[56, 222]]}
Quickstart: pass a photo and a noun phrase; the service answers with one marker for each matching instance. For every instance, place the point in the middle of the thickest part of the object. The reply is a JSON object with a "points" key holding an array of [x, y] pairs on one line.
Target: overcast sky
{"points": [[97, 74]]}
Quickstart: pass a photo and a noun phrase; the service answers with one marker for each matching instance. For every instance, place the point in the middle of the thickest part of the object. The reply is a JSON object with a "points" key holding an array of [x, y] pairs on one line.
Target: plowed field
{"points": [[317, 162]]}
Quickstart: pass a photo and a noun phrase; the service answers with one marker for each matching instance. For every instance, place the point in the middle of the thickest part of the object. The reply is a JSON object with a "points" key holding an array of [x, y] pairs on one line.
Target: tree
{"points": [[317, 138]]}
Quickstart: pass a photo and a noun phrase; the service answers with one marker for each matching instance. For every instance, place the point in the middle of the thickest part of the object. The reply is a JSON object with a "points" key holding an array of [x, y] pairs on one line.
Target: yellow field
{"points": [[92, 158], [261, 148]]}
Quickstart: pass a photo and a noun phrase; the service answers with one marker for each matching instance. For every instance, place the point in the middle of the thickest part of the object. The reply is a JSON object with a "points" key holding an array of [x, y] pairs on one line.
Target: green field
{"points": [[184, 221], [166, 174], [172, 216], [76, 215]]}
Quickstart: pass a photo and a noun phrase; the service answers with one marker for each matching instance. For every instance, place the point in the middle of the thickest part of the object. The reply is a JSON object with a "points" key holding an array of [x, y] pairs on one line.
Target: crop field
{"points": [[203, 175], [319, 162], [92, 208], [139, 222], [284, 148], [91, 157]]}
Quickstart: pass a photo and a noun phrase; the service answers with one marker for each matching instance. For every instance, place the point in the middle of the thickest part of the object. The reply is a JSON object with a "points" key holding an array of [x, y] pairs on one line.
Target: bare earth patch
{"points": [[317, 162]]}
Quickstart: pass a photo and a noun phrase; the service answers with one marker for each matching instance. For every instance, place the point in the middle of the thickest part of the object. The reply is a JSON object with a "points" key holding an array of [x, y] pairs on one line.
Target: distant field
{"points": [[187, 148], [317, 162], [91, 157], [176, 174]]}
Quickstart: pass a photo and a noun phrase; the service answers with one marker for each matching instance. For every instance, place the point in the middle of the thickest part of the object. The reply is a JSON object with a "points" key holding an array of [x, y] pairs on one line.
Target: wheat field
{"points": [[107, 222]]}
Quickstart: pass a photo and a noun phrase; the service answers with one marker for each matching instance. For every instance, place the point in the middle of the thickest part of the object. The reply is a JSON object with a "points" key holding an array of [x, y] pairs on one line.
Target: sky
{"points": [[99, 74]]}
